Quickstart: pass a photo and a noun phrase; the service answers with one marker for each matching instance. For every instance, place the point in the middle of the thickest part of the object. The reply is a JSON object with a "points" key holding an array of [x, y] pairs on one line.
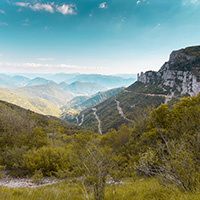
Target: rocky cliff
{"points": [[180, 75]]}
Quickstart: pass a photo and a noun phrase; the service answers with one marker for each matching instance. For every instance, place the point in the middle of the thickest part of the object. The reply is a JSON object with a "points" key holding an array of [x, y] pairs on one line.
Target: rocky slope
{"points": [[179, 76]]}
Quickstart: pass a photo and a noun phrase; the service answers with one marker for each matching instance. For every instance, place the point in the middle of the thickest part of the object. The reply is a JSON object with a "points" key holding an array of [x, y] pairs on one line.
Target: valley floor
{"points": [[142, 189]]}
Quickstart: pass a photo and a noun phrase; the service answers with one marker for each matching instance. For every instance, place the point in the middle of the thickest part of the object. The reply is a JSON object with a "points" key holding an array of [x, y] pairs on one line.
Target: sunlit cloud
{"points": [[46, 7], [66, 9], [103, 5], [22, 4]]}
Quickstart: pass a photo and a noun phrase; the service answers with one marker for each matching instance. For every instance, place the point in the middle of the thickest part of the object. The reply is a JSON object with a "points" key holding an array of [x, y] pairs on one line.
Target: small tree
{"points": [[94, 163]]}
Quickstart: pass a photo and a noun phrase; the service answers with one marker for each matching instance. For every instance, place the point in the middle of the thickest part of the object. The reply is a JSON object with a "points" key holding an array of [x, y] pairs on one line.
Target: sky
{"points": [[94, 36]]}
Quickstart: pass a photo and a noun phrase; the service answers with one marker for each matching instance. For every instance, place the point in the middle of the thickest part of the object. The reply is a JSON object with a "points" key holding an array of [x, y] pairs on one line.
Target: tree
{"points": [[95, 163]]}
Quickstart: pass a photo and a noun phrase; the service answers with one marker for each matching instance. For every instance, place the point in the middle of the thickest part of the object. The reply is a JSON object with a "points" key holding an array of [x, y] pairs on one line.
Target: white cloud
{"points": [[66, 9], [103, 5], [22, 4], [46, 7], [2, 11], [44, 59], [1, 55], [3, 24], [138, 2]]}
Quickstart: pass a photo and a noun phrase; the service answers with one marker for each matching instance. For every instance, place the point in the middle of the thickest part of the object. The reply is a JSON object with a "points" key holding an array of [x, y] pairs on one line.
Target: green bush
{"points": [[47, 159]]}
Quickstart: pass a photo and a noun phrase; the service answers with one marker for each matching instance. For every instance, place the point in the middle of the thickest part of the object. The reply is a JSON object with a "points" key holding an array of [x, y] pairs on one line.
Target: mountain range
{"points": [[26, 80], [50, 93]]}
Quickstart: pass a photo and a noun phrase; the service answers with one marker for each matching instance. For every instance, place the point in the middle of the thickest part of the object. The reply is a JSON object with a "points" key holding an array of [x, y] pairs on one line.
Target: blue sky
{"points": [[94, 36]]}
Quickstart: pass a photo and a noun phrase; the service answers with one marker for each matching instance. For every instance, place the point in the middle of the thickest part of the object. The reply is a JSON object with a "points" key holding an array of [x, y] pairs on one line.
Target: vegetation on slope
{"points": [[77, 104], [36, 104], [163, 145], [132, 104]]}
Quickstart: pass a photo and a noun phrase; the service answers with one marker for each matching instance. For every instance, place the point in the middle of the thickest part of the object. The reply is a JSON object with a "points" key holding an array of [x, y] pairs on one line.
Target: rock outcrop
{"points": [[180, 75]]}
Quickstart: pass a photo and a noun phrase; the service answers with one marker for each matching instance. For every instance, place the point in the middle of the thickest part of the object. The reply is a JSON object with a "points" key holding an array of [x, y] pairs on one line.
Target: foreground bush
{"points": [[47, 159]]}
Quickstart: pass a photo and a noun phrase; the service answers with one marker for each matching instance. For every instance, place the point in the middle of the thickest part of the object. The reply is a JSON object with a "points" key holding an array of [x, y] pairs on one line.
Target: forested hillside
{"points": [[163, 145], [131, 102], [77, 104]]}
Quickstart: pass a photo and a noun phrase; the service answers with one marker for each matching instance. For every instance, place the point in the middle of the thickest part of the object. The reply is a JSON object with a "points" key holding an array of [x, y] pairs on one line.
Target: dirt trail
{"points": [[82, 120], [153, 95], [121, 111], [24, 182], [99, 126], [77, 120]]}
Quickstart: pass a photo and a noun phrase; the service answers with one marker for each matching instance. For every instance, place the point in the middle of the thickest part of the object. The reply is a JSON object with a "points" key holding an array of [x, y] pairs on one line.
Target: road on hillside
{"points": [[121, 111], [99, 126]]}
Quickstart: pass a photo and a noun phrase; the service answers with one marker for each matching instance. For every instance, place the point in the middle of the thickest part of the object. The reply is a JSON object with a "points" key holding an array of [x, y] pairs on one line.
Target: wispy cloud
{"points": [[3, 24], [194, 2], [46, 7], [25, 22], [44, 59], [103, 5], [2, 11], [66, 9], [48, 68], [38, 65], [138, 2], [22, 4], [1, 55]]}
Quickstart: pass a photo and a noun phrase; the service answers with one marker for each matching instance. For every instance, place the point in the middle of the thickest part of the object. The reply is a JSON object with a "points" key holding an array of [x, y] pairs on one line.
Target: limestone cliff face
{"points": [[180, 75]]}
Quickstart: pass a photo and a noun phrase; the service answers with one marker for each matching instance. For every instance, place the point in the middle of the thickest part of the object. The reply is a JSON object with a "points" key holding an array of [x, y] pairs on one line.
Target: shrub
{"points": [[47, 159]]}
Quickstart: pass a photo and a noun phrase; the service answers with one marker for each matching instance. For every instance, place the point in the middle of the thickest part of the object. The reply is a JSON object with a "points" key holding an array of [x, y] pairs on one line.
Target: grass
{"points": [[145, 189]]}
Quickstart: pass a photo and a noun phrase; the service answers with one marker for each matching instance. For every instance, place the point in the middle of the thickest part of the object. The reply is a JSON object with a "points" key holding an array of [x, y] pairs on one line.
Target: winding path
{"points": [[121, 111], [152, 95], [99, 126], [82, 120], [77, 120]]}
